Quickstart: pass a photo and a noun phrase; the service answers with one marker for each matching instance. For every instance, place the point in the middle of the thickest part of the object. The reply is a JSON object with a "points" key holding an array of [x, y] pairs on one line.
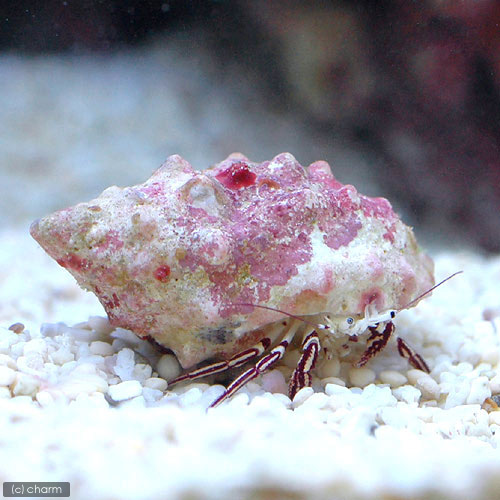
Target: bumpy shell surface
{"points": [[169, 258]]}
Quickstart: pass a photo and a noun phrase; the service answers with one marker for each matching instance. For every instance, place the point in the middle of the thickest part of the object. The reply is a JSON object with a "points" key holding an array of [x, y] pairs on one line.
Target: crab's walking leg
{"points": [[237, 360], [412, 356], [301, 376], [376, 342], [275, 354]]}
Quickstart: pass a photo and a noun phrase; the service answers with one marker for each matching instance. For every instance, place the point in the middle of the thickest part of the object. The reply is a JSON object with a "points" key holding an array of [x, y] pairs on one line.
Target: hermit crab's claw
{"points": [[379, 336]]}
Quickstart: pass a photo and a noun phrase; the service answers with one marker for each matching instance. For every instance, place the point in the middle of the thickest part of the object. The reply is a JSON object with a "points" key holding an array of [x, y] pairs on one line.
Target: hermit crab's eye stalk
{"points": [[383, 317]]}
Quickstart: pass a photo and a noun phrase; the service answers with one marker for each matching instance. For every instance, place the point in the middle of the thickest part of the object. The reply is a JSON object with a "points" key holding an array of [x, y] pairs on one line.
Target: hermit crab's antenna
{"points": [[317, 325], [327, 327], [428, 291]]}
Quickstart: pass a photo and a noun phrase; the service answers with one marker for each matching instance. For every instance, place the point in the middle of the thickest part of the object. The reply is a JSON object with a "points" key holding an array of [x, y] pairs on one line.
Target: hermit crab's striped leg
{"points": [[376, 341], [237, 360], [412, 356], [301, 376], [274, 355]]}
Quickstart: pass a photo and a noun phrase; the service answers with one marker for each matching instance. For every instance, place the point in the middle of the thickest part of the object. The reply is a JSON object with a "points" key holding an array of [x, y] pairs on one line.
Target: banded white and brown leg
{"points": [[376, 341], [274, 355], [301, 376], [238, 359], [412, 356], [221, 366]]}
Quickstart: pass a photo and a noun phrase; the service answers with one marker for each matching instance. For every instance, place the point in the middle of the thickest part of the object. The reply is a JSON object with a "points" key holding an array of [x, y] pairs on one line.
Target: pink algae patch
{"points": [[389, 235], [153, 190], [237, 176], [341, 233], [319, 171], [372, 296], [276, 239], [72, 261], [111, 241], [270, 241], [382, 210], [377, 207], [162, 273], [340, 224], [110, 302]]}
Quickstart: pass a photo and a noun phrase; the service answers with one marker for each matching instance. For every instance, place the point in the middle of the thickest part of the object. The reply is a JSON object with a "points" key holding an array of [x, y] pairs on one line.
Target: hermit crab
{"points": [[227, 266]]}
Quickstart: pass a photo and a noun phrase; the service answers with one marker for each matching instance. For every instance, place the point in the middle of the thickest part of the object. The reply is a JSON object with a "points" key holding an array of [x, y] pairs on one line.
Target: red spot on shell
{"points": [[162, 273], [389, 235], [72, 261], [237, 176]]}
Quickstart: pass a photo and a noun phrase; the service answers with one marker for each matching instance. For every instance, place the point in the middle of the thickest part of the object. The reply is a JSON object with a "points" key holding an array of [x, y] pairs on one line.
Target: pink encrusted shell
{"points": [[169, 258]]}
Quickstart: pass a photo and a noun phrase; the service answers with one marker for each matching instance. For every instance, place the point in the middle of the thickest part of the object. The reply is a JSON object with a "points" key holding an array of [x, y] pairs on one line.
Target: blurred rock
{"points": [[417, 83]]}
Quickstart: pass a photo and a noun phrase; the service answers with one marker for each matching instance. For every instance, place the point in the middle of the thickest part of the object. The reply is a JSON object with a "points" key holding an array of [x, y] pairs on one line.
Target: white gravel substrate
{"points": [[89, 405]]}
